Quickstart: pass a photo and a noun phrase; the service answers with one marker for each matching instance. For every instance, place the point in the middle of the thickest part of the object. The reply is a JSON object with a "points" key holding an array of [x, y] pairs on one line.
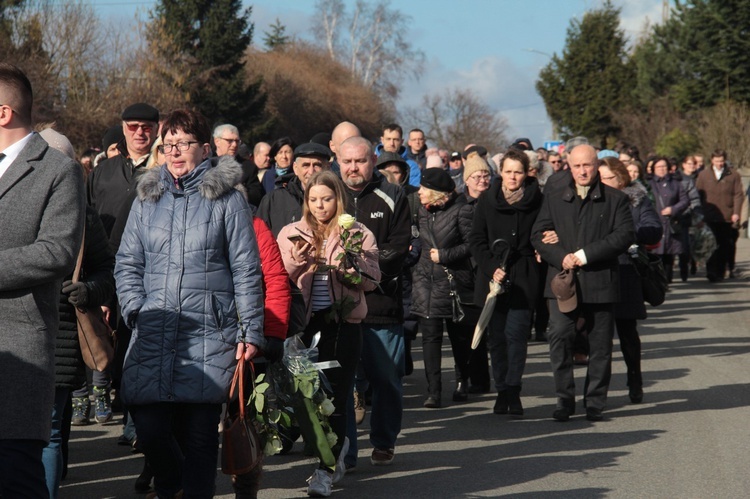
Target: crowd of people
{"points": [[195, 246]]}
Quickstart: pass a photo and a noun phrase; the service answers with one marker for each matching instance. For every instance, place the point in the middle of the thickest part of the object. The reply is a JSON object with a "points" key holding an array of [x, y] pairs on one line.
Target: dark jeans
{"points": [[630, 344], [460, 334], [507, 342], [181, 443], [723, 256], [599, 323], [21, 469], [341, 342], [52, 456]]}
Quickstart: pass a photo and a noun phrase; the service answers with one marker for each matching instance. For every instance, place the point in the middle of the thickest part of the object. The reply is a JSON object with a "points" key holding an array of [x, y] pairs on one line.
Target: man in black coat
{"points": [[593, 225]]}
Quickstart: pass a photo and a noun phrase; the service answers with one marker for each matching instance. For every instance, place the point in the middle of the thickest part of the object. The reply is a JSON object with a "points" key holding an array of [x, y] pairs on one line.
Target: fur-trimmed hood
{"points": [[213, 178], [636, 192]]}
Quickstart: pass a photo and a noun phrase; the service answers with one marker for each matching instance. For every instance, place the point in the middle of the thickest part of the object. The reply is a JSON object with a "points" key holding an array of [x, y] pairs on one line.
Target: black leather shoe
{"points": [[563, 414], [501, 403], [636, 394], [432, 402], [461, 394], [593, 414]]}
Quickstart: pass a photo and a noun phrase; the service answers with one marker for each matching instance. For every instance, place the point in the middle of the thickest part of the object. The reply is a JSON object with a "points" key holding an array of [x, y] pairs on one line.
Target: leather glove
{"points": [[274, 349], [78, 295]]}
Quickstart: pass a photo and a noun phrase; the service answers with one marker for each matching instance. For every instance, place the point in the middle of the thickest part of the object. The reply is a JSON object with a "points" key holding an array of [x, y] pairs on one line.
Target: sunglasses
{"points": [[133, 127]]}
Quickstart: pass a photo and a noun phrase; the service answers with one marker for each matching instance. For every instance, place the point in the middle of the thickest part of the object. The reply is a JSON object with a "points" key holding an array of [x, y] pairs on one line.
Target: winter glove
{"points": [[274, 349], [78, 295]]}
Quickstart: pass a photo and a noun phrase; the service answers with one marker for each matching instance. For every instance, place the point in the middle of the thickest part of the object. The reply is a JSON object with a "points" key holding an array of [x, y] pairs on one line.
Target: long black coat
{"points": [[98, 264], [668, 192], [495, 219], [648, 230], [446, 229], [600, 224]]}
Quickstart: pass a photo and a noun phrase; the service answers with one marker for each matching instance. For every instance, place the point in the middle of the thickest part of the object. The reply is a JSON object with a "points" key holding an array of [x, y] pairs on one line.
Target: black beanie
{"points": [[113, 135], [438, 179]]}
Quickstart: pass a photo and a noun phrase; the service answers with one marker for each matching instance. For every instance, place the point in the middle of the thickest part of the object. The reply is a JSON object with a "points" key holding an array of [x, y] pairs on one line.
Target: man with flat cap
{"points": [[283, 206], [591, 226], [112, 182]]}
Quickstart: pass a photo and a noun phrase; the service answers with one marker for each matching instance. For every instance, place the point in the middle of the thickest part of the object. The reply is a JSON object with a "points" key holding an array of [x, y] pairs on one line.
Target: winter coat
{"points": [[186, 271], [669, 193], [600, 224], [302, 273], [283, 205], [446, 229], [383, 208], [721, 198], [111, 186], [648, 231], [96, 273], [278, 295], [495, 219], [42, 201]]}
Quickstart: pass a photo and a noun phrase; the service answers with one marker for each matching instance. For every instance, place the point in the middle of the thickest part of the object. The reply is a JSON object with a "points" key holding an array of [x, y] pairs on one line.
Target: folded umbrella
{"points": [[502, 248]]}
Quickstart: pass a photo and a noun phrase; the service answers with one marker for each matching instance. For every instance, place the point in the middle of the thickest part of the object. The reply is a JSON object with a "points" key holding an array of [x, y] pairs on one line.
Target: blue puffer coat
{"points": [[187, 264]]}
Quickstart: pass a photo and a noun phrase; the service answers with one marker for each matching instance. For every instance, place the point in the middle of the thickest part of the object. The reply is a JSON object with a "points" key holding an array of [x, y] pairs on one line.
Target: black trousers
{"points": [[460, 335], [723, 256]]}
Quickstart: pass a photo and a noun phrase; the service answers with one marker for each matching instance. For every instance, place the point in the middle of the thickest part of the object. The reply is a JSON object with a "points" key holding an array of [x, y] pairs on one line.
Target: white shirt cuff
{"points": [[581, 256]]}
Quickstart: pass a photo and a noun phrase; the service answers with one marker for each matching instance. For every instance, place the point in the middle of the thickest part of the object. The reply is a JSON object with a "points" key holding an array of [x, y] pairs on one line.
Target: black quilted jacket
{"points": [[446, 229]]}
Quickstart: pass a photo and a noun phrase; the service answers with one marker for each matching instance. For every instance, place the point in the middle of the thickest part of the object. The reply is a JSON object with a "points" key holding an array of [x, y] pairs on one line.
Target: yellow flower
{"points": [[346, 221]]}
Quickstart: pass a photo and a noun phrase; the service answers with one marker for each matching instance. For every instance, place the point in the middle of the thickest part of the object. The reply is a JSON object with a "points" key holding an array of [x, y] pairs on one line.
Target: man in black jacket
{"points": [[593, 226], [383, 208], [283, 205]]}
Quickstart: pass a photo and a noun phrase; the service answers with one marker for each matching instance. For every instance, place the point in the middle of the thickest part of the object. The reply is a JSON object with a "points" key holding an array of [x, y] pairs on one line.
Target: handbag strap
{"points": [[79, 261], [238, 380]]}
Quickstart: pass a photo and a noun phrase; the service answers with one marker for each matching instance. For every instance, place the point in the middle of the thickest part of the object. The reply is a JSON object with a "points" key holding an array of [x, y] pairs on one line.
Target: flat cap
{"points": [[142, 112], [388, 158], [309, 149], [437, 179]]}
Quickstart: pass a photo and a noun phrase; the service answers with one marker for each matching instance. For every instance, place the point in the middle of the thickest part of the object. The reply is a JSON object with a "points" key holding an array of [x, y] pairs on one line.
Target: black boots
{"points": [[514, 401], [461, 394], [501, 403]]}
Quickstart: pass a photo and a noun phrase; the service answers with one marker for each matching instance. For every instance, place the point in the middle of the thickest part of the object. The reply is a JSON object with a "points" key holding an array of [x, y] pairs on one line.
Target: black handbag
{"points": [[654, 282], [457, 309], [241, 449]]}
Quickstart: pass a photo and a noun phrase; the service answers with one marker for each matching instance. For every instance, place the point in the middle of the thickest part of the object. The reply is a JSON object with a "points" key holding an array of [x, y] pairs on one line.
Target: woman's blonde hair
{"points": [[321, 231], [152, 161], [436, 198]]}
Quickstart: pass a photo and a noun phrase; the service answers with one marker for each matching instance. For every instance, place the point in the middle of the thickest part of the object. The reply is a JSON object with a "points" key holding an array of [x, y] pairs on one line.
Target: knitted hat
{"points": [[474, 164], [437, 179], [434, 162], [58, 141]]}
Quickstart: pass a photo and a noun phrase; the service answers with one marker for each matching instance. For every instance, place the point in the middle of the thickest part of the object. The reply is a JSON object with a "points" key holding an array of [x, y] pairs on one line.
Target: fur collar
{"points": [[636, 193], [213, 178]]}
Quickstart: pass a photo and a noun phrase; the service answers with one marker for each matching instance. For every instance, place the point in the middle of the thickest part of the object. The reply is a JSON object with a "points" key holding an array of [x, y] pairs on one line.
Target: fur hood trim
{"points": [[214, 178], [636, 192]]}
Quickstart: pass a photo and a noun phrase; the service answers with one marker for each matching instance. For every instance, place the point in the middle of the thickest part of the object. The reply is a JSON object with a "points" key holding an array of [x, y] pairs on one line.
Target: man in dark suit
{"points": [[41, 221], [593, 226]]}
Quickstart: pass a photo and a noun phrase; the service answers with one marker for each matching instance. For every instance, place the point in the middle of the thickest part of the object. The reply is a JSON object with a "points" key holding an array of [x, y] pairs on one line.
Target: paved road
{"points": [[688, 439]]}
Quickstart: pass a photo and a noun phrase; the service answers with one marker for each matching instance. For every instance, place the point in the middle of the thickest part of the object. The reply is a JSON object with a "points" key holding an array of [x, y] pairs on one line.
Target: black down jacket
{"points": [[446, 228]]}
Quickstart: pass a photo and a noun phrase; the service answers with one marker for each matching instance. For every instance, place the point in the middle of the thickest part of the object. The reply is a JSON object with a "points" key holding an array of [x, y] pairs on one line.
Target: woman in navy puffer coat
{"points": [[186, 270]]}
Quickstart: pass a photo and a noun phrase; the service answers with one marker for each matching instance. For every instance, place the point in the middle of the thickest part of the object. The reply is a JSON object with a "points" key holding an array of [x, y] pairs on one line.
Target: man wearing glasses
{"points": [[227, 141], [112, 183]]}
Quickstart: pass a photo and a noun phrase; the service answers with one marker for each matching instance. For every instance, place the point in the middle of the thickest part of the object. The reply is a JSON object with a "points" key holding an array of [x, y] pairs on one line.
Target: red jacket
{"points": [[278, 295]]}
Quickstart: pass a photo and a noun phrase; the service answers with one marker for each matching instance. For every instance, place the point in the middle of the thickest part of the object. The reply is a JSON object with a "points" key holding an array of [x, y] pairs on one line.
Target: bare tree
{"points": [[377, 50], [727, 126], [458, 117]]}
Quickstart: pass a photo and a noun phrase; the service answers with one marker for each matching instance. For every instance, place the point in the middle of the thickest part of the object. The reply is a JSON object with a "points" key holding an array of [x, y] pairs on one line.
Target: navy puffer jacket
{"points": [[187, 266]]}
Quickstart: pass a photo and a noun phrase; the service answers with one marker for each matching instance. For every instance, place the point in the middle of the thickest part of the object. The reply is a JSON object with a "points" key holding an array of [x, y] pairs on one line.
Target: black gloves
{"points": [[78, 295], [274, 349]]}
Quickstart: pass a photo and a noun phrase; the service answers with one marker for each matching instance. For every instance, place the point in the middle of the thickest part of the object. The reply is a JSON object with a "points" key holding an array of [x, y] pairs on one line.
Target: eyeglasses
{"points": [[554, 162], [231, 141], [180, 146], [133, 127], [479, 178]]}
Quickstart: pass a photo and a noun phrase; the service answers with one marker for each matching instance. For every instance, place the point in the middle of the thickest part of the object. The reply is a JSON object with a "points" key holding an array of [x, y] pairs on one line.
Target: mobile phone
{"points": [[295, 238]]}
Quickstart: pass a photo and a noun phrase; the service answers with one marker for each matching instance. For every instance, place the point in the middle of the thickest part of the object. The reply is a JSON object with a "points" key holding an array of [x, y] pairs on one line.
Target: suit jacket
{"points": [[41, 220], [601, 225]]}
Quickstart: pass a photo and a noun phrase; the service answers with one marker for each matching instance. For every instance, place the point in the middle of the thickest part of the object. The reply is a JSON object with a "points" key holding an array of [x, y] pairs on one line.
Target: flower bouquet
{"points": [[295, 392]]}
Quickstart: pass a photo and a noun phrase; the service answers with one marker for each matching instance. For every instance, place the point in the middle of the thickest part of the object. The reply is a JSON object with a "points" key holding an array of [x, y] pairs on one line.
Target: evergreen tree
{"points": [[207, 40], [584, 88], [277, 38]]}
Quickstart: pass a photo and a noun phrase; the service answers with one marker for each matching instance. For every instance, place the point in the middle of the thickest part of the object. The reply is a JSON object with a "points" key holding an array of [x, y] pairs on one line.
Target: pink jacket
{"points": [[302, 273]]}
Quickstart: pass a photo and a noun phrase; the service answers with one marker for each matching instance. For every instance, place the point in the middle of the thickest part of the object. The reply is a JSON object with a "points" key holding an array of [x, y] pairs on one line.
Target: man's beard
{"points": [[354, 181]]}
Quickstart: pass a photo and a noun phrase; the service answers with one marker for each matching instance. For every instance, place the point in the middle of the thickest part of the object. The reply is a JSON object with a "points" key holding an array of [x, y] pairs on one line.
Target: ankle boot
{"points": [[515, 408], [501, 403], [462, 387]]}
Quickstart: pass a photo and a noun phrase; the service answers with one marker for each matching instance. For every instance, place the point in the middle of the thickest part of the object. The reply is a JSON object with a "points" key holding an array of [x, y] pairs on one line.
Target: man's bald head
{"points": [[343, 131], [583, 164]]}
